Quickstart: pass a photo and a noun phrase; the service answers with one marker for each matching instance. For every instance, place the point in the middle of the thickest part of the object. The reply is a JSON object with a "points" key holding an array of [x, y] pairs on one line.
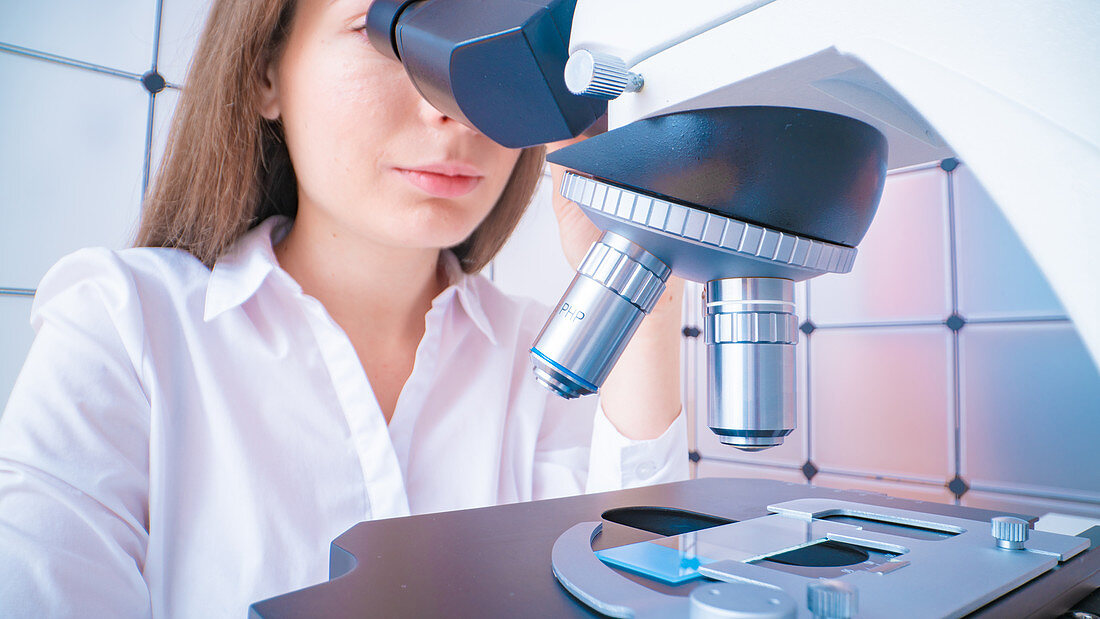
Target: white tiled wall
{"points": [[116, 35], [902, 271], [74, 133], [880, 399], [71, 165], [1002, 413]]}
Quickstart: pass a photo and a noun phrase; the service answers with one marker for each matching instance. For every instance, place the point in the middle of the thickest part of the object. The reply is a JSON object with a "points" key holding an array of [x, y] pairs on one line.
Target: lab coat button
{"points": [[646, 469]]}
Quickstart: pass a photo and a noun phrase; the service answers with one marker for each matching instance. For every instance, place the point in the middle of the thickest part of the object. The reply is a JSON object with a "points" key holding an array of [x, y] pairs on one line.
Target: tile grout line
{"points": [[956, 359], [879, 325], [807, 441], [69, 62], [1035, 494], [1017, 321], [939, 323], [953, 240], [147, 160], [156, 34]]}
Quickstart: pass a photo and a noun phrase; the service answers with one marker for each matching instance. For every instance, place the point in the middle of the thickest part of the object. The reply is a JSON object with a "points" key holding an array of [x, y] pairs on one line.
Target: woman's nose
{"points": [[433, 117]]}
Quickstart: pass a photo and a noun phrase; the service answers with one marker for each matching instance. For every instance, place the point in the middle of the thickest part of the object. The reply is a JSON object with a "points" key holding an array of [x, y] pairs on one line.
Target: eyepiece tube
{"points": [[617, 284], [751, 331]]}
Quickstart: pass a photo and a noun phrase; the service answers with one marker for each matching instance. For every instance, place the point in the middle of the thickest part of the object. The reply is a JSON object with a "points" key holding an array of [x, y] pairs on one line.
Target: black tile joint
{"points": [[691, 332], [807, 327], [694, 456], [153, 82], [949, 164], [958, 487], [955, 322], [809, 470]]}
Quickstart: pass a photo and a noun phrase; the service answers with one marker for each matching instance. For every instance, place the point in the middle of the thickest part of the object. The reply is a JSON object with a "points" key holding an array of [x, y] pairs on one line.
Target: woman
{"points": [[300, 342]]}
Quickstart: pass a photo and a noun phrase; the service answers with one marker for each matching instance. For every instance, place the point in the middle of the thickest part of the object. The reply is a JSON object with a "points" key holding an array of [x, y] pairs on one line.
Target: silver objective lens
{"points": [[751, 331], [617, 284]]}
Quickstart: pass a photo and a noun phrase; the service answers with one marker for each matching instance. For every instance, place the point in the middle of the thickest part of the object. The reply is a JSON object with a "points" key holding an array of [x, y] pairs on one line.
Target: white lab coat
{"points": [[183, 442]]}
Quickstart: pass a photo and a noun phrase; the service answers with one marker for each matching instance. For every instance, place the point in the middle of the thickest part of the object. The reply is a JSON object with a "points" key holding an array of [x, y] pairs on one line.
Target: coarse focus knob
{"points": [[1011, 533], [832, 599], [599, 75]]}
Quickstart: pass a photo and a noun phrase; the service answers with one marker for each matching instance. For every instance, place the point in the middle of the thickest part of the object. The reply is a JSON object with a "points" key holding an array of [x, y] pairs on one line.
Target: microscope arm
{"points": [[1008, 87]]}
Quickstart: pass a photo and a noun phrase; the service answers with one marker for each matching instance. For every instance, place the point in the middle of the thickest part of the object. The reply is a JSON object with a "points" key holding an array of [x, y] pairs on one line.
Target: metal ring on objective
{"points": [[630, 272], [750, 310]]}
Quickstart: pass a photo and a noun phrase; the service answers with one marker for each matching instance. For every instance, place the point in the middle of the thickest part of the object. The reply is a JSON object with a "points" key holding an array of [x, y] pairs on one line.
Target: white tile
{"points": [[997, 276], [708, 467], [70, 163], [532, 263], [1028, 506], [881, 401], [902, 271], [896, 489], [1030, 409], [16, 335], [116, 34], [181, 24]]}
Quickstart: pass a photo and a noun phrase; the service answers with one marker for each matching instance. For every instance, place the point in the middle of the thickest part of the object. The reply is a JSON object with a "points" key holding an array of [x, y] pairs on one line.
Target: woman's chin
{"points": [[431, 237]]}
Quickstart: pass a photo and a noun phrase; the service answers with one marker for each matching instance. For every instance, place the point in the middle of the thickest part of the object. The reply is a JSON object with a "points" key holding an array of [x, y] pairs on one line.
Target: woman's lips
{"points": [[443, 180]]}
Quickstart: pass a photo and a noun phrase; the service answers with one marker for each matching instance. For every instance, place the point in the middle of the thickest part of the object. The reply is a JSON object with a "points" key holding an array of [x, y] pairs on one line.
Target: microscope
{"points": [[747, 149]]}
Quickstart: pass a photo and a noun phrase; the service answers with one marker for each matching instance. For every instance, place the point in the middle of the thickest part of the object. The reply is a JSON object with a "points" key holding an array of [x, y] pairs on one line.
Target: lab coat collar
{"points": [[239, 273], [463, 283]]}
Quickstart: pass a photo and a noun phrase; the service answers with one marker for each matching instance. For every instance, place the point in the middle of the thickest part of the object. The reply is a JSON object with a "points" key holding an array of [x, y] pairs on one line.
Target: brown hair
{"points": [[226, 168]]}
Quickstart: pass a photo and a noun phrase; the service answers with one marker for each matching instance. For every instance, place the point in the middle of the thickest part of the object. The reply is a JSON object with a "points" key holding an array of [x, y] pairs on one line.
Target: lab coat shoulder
{"points": [[99, 291], [74, 437]]}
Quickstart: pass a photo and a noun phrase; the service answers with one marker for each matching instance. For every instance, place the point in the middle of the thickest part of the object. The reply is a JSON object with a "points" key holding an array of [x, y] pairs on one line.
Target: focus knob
{"points": [[832, 599], [595, 74], [1011, 533]]}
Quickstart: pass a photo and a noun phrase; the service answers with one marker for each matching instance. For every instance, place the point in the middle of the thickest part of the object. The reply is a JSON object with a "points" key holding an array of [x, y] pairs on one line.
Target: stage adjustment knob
{"points": [[595, 74], [832, 599], [1011, 533]]}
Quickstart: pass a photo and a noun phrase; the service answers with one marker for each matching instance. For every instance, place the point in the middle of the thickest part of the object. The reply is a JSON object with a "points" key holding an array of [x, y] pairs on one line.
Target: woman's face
{"points": [[371, 156]]}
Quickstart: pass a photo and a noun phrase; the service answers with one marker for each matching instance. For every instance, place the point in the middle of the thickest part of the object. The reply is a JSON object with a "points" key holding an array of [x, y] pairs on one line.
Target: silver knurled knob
{"points": [[832, 599], [1011, 533], [623, 275], [595, 74]]}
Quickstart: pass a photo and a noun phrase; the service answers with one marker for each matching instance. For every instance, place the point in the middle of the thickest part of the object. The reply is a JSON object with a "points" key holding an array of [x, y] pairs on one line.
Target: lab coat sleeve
{"points": [[74, 444], [580, 450], [619, 462]]}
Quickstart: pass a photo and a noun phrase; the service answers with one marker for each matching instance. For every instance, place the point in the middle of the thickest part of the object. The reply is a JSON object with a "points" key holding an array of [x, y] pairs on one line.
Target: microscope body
{"points": [[748, 145]]}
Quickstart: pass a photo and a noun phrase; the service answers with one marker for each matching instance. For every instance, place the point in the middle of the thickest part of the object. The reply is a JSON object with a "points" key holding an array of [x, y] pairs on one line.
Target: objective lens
{"points": [[750, 330], [617, 284]]}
